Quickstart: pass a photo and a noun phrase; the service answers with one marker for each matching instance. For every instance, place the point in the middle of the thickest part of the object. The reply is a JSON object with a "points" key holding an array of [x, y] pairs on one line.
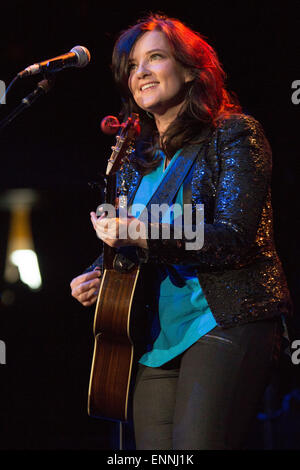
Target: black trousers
{"points": [[206, 398]]}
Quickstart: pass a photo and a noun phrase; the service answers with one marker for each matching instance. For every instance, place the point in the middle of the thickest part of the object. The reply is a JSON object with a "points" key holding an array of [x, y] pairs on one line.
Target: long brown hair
{"points": [[206, 99]]}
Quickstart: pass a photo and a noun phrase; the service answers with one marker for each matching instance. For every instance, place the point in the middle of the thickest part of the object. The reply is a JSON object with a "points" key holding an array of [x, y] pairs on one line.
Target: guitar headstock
{"points": [[125, 141]]}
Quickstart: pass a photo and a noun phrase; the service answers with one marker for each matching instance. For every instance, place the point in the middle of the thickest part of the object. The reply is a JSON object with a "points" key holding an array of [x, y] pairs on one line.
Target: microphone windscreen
{"points": [[83, 55]]}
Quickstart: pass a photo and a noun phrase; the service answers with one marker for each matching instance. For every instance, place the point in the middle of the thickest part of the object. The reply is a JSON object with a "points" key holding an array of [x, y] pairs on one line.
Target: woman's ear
{"points": [[188, 76]]}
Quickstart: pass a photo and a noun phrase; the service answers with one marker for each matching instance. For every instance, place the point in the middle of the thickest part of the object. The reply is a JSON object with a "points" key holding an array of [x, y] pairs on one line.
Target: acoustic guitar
{"points": [[117, 309]]}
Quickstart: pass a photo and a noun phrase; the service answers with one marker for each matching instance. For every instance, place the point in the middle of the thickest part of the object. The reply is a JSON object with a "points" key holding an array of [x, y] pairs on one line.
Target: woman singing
{"points": [[219, 306]]}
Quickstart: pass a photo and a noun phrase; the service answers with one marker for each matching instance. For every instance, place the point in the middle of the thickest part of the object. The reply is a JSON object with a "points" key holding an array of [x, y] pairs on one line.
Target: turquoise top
{"points": [[184, 314]]}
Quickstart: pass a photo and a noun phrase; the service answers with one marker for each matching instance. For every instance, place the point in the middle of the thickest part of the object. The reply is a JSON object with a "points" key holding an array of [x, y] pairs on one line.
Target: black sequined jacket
{"points": [[238, 266]]}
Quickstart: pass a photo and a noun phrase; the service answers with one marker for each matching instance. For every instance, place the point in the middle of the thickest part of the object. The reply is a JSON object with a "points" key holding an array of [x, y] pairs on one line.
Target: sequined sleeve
{"points": [[244, 165], [98, 263]]}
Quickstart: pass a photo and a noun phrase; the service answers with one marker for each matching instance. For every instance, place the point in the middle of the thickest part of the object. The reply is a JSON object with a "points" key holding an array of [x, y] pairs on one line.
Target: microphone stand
{"points": [[42, 88]]}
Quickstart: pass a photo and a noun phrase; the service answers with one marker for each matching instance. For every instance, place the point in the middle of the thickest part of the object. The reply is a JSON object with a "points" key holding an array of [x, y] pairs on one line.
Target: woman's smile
{"points": [[149, 86]]}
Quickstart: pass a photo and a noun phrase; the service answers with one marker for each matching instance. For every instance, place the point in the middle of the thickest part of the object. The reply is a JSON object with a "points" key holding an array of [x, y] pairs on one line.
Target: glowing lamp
{"points": [[21, 260]]}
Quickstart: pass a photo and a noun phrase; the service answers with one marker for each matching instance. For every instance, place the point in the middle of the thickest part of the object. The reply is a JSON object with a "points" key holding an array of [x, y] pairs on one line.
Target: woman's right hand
{"points": [[85, 287]]}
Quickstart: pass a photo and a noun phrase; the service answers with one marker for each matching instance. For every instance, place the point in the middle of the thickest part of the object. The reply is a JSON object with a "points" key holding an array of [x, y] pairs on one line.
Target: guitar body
{"points": [[114, 349]]}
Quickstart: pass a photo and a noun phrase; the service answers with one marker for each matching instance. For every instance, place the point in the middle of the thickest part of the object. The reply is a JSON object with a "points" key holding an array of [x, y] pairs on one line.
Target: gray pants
{"points": [[206, 398]]}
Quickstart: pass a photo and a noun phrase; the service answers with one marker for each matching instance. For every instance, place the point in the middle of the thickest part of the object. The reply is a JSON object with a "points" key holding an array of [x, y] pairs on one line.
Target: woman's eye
{"points": [[131, 67], [155, 56]]}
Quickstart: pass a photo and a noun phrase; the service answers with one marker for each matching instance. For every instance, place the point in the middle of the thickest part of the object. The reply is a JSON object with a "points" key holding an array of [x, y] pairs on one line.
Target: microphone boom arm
{"points": [[42, 88]]}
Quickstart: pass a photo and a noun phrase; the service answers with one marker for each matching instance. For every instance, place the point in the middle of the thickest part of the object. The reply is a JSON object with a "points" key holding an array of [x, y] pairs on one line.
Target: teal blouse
{"points": [[183, 312]]}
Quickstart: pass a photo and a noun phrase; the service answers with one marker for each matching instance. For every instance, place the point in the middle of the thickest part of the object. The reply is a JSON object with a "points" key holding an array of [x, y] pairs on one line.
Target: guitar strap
{"points": [[169, 186], [164, 196]]}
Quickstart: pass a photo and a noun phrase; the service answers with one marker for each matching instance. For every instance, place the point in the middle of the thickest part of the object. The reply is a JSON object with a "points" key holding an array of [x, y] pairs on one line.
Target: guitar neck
{"points": [[110, 198]]}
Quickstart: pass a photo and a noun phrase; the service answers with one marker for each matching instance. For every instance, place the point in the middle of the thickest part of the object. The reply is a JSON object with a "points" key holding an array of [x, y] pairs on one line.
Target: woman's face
{"points": [[156, 80]]}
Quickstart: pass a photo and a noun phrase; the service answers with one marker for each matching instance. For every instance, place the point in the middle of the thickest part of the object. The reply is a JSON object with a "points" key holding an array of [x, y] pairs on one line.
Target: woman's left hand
{"points": [[117, 232]]}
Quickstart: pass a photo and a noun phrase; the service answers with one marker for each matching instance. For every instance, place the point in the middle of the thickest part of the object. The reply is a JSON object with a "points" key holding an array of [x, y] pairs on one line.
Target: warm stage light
{"points": [[28, 266], [21, 260]]}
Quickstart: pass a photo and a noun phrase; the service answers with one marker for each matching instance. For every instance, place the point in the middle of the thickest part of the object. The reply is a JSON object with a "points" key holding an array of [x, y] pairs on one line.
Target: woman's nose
{"points": [[142, 71]]}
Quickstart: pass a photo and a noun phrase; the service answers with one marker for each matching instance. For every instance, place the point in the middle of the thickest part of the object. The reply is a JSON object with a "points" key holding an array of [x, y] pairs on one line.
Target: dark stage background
{"points": [[56, 148]]}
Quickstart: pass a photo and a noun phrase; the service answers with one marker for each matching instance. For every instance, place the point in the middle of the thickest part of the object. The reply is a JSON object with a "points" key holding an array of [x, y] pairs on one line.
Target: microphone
{"points": [[79, 56], [43, 87]]}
